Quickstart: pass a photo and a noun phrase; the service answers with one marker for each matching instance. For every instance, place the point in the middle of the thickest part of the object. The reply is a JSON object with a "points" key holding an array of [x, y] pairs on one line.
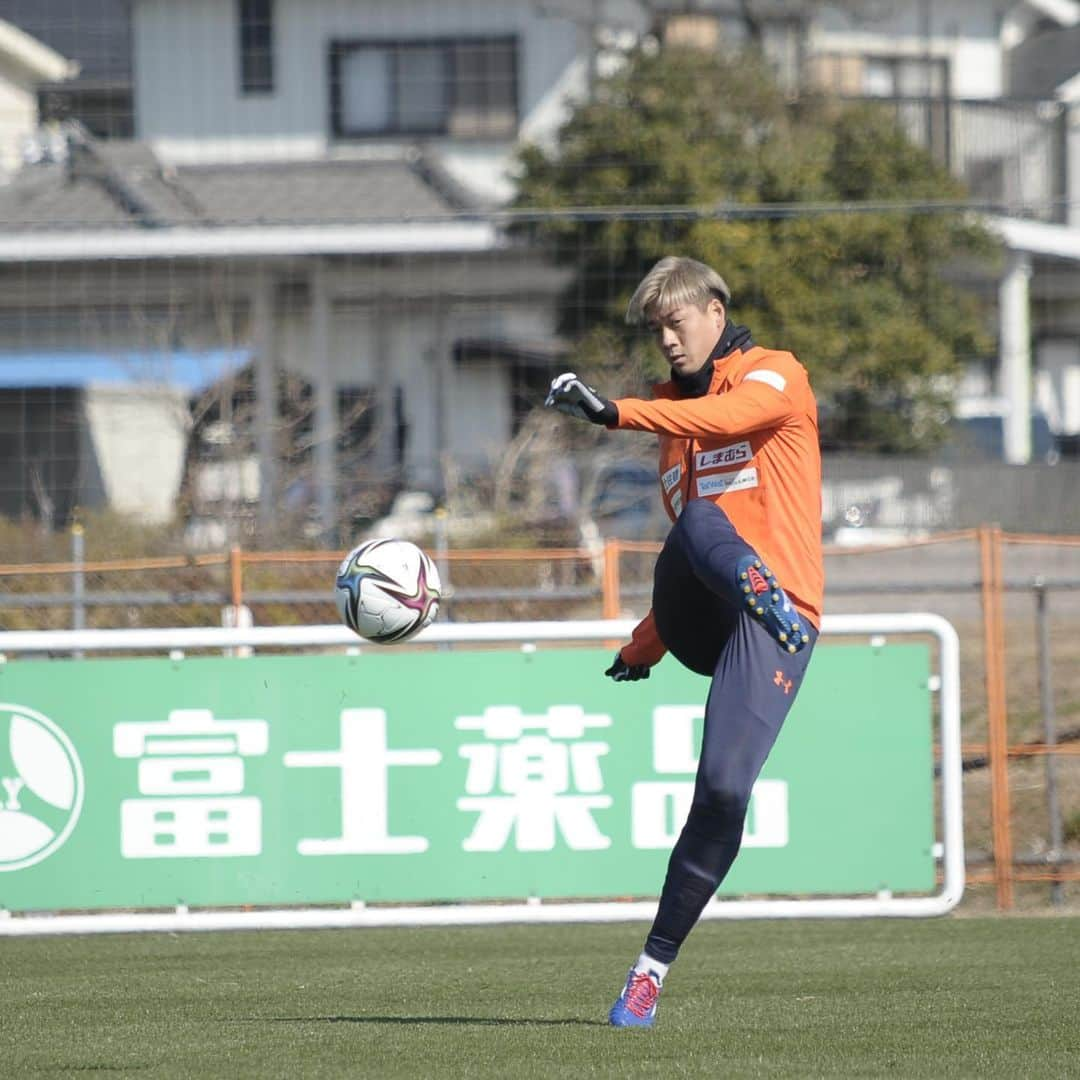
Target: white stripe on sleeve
{"points": [[772, 378]]}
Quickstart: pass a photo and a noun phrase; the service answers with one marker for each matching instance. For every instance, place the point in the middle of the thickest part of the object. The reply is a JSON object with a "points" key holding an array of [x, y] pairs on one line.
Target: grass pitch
{"points": [[958, 997]]}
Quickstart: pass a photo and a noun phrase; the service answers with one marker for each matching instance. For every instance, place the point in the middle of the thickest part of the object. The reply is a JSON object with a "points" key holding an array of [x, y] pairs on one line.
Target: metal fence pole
{"points": [[997, 720], [78, 578], [610, 580], [236, 576], [78, 581], [1046, 695], [442, 559], [442, 546]]}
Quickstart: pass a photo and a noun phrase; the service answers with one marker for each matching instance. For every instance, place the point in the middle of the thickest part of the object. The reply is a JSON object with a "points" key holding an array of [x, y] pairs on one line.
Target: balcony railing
{"points": [[1012, 154]]}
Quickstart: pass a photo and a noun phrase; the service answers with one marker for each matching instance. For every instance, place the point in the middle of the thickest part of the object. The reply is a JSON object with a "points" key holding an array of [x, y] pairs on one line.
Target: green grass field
{"points": [[972, 997]]}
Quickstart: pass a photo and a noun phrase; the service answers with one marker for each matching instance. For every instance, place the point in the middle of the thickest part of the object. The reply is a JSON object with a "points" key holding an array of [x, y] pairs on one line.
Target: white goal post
{"points": [[949, 846]]}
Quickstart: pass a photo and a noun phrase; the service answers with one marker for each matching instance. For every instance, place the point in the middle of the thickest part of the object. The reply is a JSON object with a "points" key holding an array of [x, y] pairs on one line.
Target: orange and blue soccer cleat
{"points": [[769, 604], [636, 1005]]}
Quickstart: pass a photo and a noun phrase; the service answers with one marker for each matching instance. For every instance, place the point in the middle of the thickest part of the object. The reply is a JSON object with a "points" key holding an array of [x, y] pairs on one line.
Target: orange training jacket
{"points": [[751, 445]]}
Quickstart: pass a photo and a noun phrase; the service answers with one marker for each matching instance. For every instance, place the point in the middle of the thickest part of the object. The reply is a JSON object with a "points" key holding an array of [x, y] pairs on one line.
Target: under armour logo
{"points": [[779, 680]]}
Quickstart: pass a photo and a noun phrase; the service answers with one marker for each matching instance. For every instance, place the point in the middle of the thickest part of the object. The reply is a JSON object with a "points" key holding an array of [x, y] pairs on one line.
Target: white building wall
{"points": [[18, 117], [187, 81], [1072, 162], [463, 409], [410, 346], [1057, 387], [965, 32], [480, 412], [139, 438]]}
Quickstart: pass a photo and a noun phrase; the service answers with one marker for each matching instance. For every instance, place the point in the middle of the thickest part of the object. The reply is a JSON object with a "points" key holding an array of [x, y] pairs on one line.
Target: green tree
{"points": [[662, 159]]}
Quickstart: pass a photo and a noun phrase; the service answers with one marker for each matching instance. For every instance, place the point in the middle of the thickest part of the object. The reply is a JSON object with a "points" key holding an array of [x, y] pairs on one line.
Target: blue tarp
{"points": [[188, 370]]}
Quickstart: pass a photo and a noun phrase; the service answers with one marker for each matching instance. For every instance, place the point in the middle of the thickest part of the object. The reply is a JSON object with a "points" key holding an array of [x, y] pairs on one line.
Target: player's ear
{"points": [[717, 311]]}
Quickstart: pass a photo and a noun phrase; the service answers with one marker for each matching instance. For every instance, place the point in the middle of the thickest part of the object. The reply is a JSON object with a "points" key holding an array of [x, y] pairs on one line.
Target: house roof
{"points": [[1041, 66], [1064, 12], [192, 370], [115, 199], [117, 184], [1038, 238]]}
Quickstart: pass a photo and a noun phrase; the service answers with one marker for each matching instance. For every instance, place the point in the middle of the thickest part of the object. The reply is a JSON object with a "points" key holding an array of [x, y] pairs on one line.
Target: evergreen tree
{"points": [[661, 160]]}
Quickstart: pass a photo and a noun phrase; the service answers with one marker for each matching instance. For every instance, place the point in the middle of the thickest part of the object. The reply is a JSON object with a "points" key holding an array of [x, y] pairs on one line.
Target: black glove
{"points": [[621, 671], [570, 395]]}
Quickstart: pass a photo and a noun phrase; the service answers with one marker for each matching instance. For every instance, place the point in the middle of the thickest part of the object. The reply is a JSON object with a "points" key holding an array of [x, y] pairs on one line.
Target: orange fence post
{"points": [[236, 576], [610, 582], [997, 736]]}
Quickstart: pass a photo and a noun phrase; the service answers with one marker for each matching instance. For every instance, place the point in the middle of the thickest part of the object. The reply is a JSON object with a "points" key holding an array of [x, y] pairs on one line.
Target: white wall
{"points": [[480, 414], [18, 115], [1057, 387], [139, 438], [188, 103], [966, 32], [189, 106], [474, 398], [1072, 151]]}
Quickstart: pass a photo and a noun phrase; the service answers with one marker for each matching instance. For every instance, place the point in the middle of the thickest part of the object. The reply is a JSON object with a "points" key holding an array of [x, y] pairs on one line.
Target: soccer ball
{"points": [[387, 590]]}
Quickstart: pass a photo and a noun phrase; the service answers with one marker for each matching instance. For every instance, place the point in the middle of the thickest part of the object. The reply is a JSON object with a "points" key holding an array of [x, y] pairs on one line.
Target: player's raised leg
{"points": [[726, 564]]}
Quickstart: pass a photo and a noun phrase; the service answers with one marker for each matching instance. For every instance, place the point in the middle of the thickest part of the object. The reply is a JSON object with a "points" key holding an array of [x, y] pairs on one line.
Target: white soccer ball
{"points": [[387, 590]]}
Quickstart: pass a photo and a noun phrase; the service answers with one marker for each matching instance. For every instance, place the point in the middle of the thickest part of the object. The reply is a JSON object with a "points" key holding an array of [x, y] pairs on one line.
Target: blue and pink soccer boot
{"points": [[636, 1005], [769, 604]]}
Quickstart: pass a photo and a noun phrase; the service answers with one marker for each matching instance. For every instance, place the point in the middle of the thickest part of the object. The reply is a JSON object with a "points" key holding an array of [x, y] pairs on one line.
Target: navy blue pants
{"points": [[699, 616]]}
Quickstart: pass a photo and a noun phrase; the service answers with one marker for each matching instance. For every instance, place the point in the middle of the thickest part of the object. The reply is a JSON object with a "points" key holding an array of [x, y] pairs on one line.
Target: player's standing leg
{"points": [[751, 694]]}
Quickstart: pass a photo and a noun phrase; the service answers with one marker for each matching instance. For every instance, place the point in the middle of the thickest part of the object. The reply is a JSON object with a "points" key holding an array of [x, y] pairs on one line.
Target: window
{"points": [[897, 76], [882, 76], [464, 87], [256, 21]]}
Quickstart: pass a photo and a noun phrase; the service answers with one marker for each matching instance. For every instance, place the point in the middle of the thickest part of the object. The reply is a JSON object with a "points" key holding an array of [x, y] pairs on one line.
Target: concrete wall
{"points": [[139, 438], [18, 115]]}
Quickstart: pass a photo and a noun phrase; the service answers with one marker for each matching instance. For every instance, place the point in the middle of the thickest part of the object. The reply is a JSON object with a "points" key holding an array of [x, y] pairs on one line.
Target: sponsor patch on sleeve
{"points": [[771, 378], [676, 503], [671, 477]]}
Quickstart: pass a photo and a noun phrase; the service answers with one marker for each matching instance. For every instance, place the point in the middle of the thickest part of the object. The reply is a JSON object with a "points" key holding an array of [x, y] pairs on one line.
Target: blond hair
{"points": [[675, 280]]}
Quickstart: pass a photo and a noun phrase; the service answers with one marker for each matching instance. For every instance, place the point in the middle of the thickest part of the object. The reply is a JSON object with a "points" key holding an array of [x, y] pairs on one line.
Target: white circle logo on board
{"points": [[41, 787]]}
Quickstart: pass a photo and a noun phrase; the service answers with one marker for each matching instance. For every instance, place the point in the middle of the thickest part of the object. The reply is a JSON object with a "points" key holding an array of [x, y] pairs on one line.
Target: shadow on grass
{"points": [[487, 1021]]}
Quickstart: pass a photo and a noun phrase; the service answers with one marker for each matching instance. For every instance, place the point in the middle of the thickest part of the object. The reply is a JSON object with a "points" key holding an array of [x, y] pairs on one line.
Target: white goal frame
{"points": [[949, 846]]}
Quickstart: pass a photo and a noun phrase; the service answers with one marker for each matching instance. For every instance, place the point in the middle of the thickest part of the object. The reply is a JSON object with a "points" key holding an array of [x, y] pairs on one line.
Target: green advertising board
{"points": [[446, 775]]}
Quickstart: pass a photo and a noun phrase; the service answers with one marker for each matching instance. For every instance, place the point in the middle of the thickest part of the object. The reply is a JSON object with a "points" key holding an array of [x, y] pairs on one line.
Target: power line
{"points": [[1045, 211]]}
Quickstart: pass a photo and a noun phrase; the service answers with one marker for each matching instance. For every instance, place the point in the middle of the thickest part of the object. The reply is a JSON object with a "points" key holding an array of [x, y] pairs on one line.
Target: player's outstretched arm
{"points": [[765, 398]]}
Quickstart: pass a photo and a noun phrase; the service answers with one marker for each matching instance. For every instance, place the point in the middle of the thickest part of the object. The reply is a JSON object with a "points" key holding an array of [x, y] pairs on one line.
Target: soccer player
{"points": [[737, 588]]}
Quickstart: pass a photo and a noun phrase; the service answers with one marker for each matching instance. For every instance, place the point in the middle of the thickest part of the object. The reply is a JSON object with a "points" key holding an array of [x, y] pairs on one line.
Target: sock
{"points": [[646, 963]]}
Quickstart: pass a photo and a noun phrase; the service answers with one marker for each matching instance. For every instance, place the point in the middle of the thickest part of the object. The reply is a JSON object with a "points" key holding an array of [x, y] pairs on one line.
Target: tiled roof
{"points": [[324, 193], [111, 185], [43, 198]]}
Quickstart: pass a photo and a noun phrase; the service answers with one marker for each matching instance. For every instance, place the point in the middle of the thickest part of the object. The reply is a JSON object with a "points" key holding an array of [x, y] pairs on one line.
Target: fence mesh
{"points": [[185, 370]]}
